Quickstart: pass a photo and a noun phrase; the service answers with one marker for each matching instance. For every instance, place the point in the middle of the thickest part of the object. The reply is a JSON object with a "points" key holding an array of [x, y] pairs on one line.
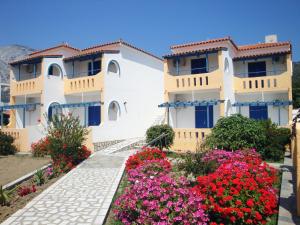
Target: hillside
{"points": [[7, 54], [296, 84]]}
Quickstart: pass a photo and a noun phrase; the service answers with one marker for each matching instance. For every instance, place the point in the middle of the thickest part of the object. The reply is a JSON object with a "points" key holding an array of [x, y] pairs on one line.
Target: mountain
{"points": [[9, 53], [296, 84]]}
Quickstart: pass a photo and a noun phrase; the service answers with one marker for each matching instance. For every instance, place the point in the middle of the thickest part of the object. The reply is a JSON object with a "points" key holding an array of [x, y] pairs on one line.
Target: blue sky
{"points": [[152, 25]]}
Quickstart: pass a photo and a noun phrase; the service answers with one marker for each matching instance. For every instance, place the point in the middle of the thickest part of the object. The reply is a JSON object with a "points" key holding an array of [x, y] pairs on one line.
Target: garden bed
{"points": [[17, 202], [13, 167]]}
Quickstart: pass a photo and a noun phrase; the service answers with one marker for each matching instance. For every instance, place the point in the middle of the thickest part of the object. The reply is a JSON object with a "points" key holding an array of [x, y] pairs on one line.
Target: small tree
{"points": [[236, 132], [156, 131], [66, 137]]}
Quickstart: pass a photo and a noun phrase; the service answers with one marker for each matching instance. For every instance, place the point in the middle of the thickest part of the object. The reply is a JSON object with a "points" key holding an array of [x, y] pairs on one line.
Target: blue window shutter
{"points": [[258, 112], [201, 116], [94, 115]]}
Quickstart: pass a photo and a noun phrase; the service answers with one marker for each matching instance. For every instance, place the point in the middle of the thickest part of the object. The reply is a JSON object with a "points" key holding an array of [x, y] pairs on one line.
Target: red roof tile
{"points": [[193, 51], [28, 58], [55, 47]]}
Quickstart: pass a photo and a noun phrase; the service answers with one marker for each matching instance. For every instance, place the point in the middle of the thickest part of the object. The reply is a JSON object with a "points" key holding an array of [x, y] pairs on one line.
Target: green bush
{"points": [[157, 130], [192, 164], [239, 132], [236, 132], [65, 137], [6, 144], [276, 140]]}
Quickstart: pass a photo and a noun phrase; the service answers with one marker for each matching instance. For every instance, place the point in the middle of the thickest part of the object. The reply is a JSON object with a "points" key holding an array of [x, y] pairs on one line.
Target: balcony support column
{"points": [[177, 66], [85, 116], [168, 114], [34, 70], [207, 63], [73, 69], [19, 73], [279, 119], [207, 113], [1, 118], [273, 66], [23, 117]]}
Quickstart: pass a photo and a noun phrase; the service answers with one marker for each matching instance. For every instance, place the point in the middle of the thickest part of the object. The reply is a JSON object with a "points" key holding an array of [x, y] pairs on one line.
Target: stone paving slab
{"points": [[83, 196], [287, 201]]}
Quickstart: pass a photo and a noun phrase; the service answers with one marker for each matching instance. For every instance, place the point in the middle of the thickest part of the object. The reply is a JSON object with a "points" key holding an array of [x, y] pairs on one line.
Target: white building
{"points": [[113, 88]]}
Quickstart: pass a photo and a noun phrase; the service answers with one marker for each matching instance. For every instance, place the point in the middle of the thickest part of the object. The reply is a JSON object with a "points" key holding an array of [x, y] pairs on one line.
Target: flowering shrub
{"points": [[221, 156], [23, 191], [40, 148], [66, 136], [160, 200], [239, 192], [146, 154], [149, 169]]}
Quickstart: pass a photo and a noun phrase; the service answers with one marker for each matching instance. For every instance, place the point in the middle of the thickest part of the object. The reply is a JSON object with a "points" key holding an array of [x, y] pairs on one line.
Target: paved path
{"points": [[287, 207], [83, 196]]}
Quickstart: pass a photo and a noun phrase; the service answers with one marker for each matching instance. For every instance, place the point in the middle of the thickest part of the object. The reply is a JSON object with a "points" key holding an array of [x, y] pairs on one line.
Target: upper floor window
{"points": [[113, 67], [198, 66], [113, 111], [94, 67], [54, 70], [257, 69]]}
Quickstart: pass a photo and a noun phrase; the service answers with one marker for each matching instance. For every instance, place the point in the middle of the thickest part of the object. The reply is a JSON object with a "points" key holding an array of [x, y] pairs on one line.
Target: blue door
{"points": [[198, 66], [204, 116], [258, 112], [94, 117]]}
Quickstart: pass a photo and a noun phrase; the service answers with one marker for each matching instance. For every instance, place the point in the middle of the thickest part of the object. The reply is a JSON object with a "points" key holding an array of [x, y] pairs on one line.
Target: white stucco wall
{"points": [[138, 90]]}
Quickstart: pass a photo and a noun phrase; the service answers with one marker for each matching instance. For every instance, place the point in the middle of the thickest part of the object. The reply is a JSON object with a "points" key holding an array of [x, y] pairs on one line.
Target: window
{"points": [[198, 66], [204, 116], [226, 65], [257, 69], [53, 111], [258, 112], [113, 67], [113, 111], [54, 70], [94, 115], [94, 67]]}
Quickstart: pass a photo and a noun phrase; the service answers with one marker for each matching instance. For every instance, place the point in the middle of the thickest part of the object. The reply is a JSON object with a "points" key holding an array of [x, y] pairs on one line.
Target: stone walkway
{"points": [[83, 196], [287, 201]]}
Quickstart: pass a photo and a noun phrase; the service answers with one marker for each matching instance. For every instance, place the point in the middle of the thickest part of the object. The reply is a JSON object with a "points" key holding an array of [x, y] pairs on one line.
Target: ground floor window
{"points": [[94, 115], [258, 112], [204, 116]]}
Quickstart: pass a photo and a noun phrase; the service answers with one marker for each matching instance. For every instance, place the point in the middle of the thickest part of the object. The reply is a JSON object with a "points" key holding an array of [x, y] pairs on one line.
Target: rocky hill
{"points": [[7, 54]]}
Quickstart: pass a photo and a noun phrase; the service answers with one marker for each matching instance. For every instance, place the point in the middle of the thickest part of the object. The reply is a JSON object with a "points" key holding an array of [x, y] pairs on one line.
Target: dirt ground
{"points": [[14, 166], [18, 202]]}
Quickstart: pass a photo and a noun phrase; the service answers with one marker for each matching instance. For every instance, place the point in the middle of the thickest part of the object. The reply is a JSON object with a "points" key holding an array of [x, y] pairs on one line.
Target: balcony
{"points": [[189, 139], [21, 138], [190, 80], [84, 84], [26, 87], [274, 81]]}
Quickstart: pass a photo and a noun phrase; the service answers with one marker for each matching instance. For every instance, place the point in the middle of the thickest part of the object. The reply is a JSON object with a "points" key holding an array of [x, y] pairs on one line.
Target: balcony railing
{"points": [[83, 73], [210, 80], [27, 76], [83, 84], [30, 86], [190, 71], [260, 73], [189, 139], [274, 81]]}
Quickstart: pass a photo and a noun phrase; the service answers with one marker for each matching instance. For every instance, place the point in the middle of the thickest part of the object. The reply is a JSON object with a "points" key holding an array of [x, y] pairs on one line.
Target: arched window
{"points": [[53, 111], [113, 111], [54, 70], [113, 67]]}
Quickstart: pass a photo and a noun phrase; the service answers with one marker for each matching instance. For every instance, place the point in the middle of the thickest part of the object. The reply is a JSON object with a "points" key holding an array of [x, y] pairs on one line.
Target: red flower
{"points": [[250, 203]]}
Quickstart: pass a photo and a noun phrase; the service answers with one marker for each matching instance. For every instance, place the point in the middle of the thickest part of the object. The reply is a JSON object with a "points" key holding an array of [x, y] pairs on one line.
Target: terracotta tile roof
{"points": [[204, 42], [192, 52], [243, 51], [263, 45], [115, 44], [89, 52], [55, 47], [29, 58]]}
